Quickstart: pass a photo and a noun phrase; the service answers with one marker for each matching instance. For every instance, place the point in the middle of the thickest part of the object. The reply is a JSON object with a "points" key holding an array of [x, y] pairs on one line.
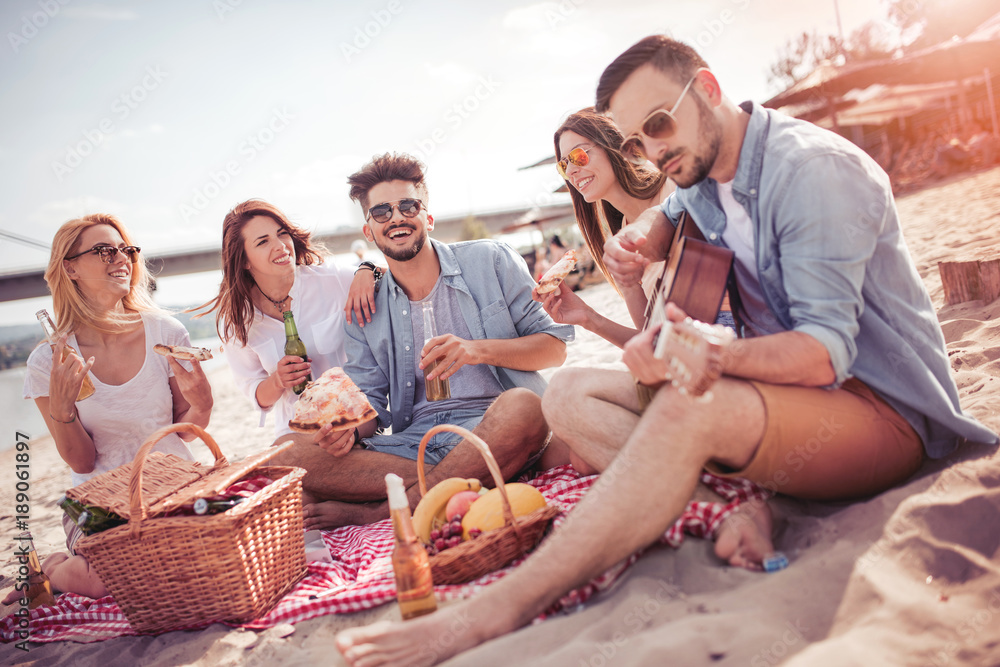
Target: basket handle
{"points": [[139, 508], [484, 450]]}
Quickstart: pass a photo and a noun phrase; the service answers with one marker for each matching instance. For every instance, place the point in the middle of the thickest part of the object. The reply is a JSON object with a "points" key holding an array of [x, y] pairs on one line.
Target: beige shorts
{"points": [[830, 444]]}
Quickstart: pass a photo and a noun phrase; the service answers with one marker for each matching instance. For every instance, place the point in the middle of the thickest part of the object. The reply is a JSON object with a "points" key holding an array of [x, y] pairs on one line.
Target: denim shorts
{"points": [[407, 443]]}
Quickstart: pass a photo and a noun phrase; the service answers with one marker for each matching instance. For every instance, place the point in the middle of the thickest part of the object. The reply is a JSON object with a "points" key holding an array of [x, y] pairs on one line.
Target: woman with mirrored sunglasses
{"points": [[607, 191], [103, 311]]}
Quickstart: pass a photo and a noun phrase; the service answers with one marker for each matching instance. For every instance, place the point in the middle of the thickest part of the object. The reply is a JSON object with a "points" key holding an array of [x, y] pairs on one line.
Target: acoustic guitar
{"points": [[694, 278]]}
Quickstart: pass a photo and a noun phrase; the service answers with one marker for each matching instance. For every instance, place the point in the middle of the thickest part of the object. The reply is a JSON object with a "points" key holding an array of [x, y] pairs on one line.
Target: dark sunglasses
{"points": [[382, 213], [108, 253], [578, 156], [661, 124]]}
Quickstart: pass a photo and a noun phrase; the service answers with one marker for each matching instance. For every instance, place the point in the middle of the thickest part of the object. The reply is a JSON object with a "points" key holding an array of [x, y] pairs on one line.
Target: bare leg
{"points": [[656, 473], [73, 574], [592, 410], [513, 427]]}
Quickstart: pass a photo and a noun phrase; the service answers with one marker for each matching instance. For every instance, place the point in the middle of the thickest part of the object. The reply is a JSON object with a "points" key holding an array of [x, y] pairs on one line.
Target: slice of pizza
{"points": [[185, 353], [557, 273], [333, 398]]}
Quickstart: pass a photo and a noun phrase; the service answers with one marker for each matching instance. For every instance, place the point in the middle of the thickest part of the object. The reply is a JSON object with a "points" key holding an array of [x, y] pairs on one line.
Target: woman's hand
{"points": [[193, 385], [361, 297], [65, 380], [291, 371], [623, 258], [564, 306]]}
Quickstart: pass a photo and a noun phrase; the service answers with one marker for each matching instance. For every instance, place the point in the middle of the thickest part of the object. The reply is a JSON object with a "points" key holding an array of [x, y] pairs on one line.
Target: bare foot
{"points": [[14, 596], [332, 514], [744, 538], [423, 641]]}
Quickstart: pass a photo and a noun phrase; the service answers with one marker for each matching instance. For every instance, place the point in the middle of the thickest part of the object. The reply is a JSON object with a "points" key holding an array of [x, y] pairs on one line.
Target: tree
{"points": [[924, 23]]}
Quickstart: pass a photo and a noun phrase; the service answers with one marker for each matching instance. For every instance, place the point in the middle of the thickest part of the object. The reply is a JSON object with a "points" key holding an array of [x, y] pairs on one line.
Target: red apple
{"points": [[459, 503]]}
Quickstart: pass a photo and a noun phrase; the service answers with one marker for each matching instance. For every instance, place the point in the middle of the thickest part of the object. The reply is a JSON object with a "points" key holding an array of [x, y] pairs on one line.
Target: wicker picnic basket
{"points": [[493, 549], [168, 572]]}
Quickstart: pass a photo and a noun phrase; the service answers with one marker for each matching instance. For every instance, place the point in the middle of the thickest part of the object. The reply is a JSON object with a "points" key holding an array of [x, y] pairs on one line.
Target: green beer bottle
{"points": [[295, 347], [91, 519]]}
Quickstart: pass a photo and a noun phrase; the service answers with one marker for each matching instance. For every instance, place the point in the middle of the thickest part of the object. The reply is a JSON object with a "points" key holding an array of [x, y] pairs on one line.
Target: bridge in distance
{"points": [[31, 283]]}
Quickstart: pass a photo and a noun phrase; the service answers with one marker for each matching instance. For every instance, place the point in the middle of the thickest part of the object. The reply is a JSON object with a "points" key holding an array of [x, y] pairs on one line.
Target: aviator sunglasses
{"points": [[660, 124], [382, 213], [578, 156], [108, 253]]}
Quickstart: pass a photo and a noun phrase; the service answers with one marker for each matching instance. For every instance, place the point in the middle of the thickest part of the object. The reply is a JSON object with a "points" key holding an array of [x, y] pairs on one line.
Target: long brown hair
{"points": [[234, 302], [72, 310], [600, 220]]}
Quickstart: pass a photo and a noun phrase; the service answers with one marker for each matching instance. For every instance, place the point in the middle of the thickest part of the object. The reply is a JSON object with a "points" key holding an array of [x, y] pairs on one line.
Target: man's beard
{"points": [[404, 254], [711, 131]]}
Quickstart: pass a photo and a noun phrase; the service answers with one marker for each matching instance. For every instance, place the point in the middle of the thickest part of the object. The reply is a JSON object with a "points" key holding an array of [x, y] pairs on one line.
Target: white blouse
{"points": [[318, 297], [119, 418]]}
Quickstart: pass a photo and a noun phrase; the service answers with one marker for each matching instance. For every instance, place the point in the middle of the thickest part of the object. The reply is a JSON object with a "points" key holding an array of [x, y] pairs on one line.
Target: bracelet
{"points": [[366, 265], [377, 273], [61, 421]]}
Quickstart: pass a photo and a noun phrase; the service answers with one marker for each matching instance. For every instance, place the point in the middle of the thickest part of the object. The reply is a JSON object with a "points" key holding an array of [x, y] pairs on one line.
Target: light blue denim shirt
{"points": [[832, 263], [494, 293]]}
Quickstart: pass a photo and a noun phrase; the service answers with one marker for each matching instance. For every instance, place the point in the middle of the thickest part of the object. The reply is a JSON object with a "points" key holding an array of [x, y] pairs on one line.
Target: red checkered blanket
{"points": [[361, 562]]}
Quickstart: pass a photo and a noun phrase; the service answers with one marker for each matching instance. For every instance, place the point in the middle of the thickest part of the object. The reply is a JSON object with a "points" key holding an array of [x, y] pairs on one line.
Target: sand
{"points": [[909, 577]]}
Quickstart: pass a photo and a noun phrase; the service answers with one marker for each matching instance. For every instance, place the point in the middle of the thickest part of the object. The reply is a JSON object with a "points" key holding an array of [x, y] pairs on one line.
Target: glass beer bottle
{"points": [[414, 586], [295, 347], [39, 587], [436, 389], [87, 389]]}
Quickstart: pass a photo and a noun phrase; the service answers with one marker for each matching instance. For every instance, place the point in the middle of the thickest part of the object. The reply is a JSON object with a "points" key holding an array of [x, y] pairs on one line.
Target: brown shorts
{"points": [[830, 444]]}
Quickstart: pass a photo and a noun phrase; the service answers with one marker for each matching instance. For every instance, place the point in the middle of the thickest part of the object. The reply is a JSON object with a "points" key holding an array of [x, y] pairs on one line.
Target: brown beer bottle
{"points": [[436, 389], [414, 586], [295, 347], [87, 389], [39, 587]]}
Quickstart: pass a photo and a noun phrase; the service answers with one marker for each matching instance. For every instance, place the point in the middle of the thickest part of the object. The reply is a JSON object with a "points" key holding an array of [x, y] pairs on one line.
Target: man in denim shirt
{"points": [[493, 339], [840, 390]]}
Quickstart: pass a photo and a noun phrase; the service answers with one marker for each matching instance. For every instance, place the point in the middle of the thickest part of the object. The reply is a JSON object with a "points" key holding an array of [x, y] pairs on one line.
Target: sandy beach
{"points": [[909, 577]]}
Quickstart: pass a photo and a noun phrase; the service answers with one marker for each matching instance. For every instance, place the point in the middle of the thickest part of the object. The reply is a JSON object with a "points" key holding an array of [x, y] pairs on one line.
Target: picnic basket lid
{"points": [[167, 481]]}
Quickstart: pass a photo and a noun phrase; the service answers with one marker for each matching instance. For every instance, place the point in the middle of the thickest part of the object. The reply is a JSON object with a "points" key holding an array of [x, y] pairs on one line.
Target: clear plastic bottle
{"points": [[87, 389], [414, 586]]}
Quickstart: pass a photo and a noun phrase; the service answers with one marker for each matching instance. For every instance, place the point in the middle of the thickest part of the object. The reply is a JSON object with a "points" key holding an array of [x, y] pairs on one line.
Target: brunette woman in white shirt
{"points": [[269, 266], [101, 297]]}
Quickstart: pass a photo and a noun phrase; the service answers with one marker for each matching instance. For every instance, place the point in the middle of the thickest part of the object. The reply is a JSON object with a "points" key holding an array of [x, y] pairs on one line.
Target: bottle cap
{"points": [[397, 493]]}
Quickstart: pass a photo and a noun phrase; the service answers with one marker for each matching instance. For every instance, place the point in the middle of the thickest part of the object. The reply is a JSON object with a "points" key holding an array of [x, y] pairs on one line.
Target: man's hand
{"points": [[622, 257], [451, 353], [638, 356], [336, 443]]}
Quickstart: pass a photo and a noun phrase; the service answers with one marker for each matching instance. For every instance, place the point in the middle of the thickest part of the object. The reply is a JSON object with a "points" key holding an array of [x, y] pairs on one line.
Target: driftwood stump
{"points": [[973, 279]]}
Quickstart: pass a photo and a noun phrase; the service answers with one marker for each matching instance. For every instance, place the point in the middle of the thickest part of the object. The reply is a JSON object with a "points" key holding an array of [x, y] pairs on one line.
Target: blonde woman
{"points": [[103, 310]]}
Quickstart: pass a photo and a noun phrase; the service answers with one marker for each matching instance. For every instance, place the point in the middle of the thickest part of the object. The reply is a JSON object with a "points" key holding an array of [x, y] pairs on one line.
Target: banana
{"points": [[430, 510]]}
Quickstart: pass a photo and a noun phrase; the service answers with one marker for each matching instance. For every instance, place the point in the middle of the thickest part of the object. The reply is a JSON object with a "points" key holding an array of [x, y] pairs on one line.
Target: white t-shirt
{"points": [[119, 418], [318, 297], [738, 237]]}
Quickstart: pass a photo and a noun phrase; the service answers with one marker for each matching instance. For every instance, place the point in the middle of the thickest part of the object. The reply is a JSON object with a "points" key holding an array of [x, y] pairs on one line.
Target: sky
{"points": [[167, 114]]}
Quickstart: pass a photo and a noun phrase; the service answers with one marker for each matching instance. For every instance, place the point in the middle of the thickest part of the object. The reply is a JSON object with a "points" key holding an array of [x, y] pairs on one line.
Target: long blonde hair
{"points": [[72, 310]]}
